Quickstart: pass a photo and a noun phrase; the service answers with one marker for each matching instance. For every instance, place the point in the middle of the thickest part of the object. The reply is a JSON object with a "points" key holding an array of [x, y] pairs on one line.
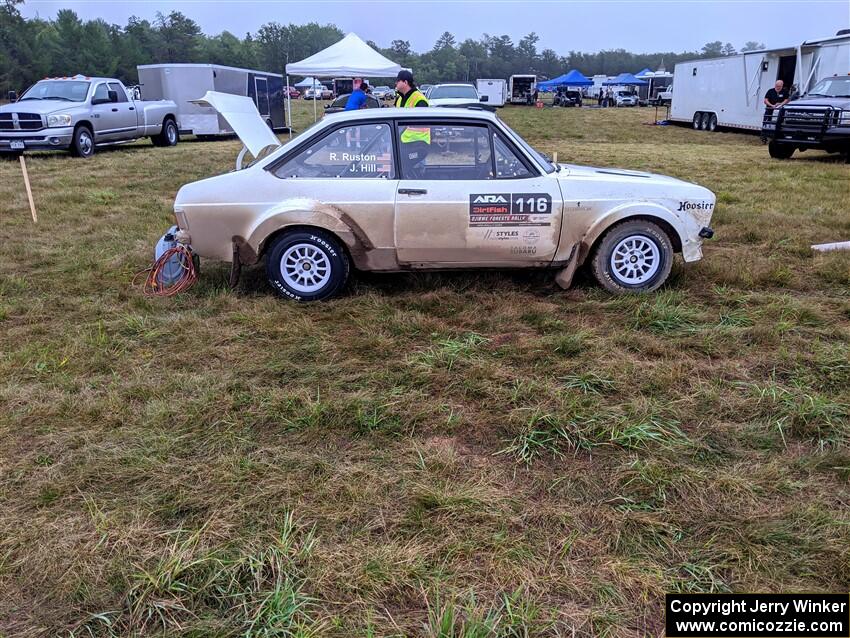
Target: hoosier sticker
{"points": [[510, 209]]}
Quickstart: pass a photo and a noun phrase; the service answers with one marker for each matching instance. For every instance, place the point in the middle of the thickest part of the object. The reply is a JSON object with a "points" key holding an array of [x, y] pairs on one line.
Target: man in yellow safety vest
{"points": [[416, 140], [407, 95]]}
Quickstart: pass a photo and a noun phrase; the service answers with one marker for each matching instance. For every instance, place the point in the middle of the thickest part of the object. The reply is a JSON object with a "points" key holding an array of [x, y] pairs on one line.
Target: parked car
{"points": [[624, 98], [664, 97], [294, 93], [566, 97], [820, 120], [383, 92], [454, 95], [339, 104], [408, 189], [423, 88], [81, 113], [318, 93]]}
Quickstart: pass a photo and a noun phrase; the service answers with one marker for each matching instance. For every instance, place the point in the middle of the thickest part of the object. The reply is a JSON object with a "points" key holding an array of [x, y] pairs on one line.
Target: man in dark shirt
{"points": [[775, 97], [357, 99]]}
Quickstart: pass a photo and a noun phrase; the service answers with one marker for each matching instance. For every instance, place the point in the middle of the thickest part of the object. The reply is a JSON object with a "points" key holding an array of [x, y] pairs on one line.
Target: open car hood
{"points": [[241, 113]]}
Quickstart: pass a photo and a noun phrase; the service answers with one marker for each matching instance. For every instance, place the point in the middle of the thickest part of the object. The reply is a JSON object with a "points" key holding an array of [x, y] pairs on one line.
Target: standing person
{"points": [[357, 99], [407, 95], [775, 97], [599, 98]]}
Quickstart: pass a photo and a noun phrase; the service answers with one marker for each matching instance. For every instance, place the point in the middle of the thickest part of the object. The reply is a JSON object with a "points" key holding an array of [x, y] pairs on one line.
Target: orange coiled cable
{"points": [[154, 283]]}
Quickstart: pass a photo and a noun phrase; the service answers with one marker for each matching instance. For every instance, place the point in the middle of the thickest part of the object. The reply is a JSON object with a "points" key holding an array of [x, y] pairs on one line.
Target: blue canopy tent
{"points": [[625, 79], [640, 74], [573, 78]]}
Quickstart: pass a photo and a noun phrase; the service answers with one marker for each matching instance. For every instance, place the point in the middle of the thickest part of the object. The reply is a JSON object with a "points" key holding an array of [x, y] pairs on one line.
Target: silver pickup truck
{"points": [[80, 113]]}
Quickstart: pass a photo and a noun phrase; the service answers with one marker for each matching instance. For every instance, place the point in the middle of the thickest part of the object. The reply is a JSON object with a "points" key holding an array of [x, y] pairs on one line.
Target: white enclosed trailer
{"points": [[186, 83], [495, 90], [729, 91]]}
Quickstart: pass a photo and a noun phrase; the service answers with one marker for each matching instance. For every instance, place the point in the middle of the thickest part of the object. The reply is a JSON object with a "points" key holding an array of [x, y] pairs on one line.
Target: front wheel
{"points": [[82, 144], [778, 150], [697, 121], [307, 266], [635, 256]]}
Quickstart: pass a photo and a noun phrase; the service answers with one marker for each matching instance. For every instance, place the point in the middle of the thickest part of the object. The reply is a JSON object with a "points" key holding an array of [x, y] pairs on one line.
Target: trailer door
{"points": [[261, 93]]}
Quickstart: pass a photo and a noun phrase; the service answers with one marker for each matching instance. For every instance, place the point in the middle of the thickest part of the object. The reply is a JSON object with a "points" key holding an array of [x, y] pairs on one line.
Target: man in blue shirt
{"points": [[357, 99]]}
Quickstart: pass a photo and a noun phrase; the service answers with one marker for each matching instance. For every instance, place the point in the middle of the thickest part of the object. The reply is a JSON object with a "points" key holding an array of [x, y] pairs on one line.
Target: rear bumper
{"points": [[45, 139]]}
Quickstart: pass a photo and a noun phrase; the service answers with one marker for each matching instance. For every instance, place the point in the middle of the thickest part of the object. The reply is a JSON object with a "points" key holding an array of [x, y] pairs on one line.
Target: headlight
{"points": [[59, 120]]}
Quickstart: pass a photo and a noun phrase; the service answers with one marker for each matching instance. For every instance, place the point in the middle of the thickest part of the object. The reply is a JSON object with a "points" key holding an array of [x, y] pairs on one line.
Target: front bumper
{"points": [[43, 140], [803, 137]]}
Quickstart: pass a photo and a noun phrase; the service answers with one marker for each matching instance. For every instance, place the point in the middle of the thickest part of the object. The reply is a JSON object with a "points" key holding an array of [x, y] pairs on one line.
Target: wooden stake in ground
{"points": [[29, 190]]}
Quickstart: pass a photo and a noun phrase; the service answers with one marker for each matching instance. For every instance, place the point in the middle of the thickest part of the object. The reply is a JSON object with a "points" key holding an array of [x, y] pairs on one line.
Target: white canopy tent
{"points": [[307, 82], [350, 57]]}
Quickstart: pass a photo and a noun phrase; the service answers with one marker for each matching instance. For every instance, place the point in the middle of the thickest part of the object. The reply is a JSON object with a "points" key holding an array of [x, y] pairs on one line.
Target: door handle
{"points": [[114, 110], [412, 191], [132, 108]]}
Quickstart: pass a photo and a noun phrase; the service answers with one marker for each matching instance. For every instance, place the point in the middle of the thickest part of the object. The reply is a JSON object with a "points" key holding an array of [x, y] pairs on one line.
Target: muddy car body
{"points": [[430, 189]]}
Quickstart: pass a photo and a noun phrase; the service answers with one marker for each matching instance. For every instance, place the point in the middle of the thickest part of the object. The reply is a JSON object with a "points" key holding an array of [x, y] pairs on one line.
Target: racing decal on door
{"points": [[510, 209]]}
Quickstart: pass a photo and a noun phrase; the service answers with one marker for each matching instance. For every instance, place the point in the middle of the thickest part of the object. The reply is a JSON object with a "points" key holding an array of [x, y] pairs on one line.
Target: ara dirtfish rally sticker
{"points": [[510, 209]]}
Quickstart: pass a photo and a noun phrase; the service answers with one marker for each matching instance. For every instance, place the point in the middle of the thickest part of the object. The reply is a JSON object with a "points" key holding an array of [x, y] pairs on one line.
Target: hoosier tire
{"points": [[307, 265], [634, 256]]}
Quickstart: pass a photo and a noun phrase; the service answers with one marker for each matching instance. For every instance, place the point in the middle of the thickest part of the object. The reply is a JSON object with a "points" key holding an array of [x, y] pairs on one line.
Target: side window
{"points": [[122, 94], [445, 151], [508, 165], [101, 92], [362, 151]]}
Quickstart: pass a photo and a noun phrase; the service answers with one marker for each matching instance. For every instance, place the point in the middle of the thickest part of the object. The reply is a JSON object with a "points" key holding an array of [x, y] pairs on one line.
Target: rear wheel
{"points": [[703, 123], [778, 150], [169, 135], [635, 256], [307, 265], [697, 120], [712, 122], [82, 144]]}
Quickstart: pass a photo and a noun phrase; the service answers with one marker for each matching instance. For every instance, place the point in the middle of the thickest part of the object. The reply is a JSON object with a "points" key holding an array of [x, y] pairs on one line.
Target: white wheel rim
{"points": [[85, 143], [305, 268], [172, 133], [635, 260]]}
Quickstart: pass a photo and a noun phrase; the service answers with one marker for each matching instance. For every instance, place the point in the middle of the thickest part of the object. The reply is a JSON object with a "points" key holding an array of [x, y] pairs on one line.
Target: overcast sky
{"points": [[582, 25]]}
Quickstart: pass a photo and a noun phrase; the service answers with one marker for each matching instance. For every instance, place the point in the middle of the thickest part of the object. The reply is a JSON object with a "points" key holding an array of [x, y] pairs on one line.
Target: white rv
{"points": [[729, 91], [521, 89], [495, 90]]}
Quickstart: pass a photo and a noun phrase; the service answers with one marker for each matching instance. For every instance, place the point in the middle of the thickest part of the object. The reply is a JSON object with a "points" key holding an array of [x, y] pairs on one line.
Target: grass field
{"points": [[443, 455]]}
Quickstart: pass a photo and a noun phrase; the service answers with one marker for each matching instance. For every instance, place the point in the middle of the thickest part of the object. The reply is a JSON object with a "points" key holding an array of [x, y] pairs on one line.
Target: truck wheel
{"points": [[703, 123], [778, 150], [712, 122], [635, 256], [307, 265], [82, 144], [169, 135], [697, 120]]}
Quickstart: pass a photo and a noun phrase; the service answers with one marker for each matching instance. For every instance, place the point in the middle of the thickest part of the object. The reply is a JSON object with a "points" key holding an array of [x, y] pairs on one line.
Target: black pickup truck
{"points": [[819, 119]]}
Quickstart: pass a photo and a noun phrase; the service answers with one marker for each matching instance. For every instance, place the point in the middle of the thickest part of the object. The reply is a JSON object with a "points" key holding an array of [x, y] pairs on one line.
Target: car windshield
{"points": [[832, 87], [545, 162], [461, 91], [624, 94], [68, 91]]}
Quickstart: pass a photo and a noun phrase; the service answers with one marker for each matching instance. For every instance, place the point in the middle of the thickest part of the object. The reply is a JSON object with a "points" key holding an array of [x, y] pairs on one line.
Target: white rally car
{"points": [[429, 189]]}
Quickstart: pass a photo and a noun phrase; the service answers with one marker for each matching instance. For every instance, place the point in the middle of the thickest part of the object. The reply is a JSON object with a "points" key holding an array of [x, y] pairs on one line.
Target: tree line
{"points": [[31, 49]]}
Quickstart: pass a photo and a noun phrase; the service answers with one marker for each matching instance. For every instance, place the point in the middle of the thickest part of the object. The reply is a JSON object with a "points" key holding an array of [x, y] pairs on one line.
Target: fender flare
{"points": [[630, 210], [286, 215]]}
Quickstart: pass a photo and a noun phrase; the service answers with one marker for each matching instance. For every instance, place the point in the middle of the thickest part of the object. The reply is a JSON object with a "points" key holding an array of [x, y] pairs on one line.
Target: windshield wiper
{"points": [[29, 98], [58, 97], [818, 94]]}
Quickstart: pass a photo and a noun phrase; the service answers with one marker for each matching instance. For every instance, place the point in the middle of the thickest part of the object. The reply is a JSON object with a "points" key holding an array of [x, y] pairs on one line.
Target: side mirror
{"points": [[485, 98], [113, 95], [13, 96]]}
